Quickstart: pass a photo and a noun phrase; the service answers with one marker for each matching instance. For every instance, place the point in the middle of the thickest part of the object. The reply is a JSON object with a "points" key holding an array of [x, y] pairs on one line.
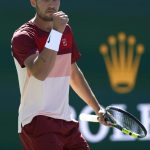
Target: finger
{"points": [[103, 121], [64, 16], [61, 16], [108, 121], [59, 13]]}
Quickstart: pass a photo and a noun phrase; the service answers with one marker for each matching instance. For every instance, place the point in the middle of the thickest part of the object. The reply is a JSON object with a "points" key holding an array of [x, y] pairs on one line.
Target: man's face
{"points": [[46, 8]]}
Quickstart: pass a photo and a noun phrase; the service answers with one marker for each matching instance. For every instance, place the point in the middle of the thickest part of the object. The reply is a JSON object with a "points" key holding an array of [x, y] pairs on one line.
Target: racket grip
{"points": [[110, 118]]}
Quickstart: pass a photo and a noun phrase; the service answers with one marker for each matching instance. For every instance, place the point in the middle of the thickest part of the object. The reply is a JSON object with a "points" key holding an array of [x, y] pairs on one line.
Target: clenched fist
{"points": [[60, 19]]}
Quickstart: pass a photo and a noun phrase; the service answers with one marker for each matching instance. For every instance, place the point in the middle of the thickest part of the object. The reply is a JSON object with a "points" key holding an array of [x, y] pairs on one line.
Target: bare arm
{"points": [[81, 87], [41, 64]]}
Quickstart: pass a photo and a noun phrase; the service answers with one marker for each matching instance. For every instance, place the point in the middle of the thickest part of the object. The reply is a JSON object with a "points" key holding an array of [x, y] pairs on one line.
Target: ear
{"points": [[33, 3]]}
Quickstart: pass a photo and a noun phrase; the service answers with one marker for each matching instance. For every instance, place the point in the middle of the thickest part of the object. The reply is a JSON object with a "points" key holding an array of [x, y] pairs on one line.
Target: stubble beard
{"points": [[45, 18]]}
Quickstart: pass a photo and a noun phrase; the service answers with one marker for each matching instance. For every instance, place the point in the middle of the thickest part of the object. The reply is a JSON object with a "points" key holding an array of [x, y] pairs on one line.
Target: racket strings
{"points": [[127, 122]]}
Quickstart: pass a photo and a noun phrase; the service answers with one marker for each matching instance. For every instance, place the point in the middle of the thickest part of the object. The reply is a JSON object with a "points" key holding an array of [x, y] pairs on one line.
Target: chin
{"points": [[47, 18]]}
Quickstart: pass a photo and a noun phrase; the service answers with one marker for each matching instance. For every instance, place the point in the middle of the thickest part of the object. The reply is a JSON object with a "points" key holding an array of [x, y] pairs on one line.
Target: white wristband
{"points": [[53, 40]]}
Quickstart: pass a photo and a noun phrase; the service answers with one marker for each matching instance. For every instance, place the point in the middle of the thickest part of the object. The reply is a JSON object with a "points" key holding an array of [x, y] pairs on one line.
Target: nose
{"points": [[51, 3]]}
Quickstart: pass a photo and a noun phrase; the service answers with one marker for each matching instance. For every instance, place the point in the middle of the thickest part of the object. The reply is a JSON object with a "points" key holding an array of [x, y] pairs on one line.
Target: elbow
{"points": [[40, 78], [41, 73]]}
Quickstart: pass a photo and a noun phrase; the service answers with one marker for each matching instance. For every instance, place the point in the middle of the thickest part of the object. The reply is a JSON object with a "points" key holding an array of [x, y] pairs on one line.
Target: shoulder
{"points": [[24, 33], [26, 30]]}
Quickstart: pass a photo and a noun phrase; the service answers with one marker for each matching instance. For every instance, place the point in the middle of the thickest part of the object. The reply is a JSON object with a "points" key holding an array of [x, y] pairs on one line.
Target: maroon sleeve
{"points": [[23, 46], [75, 52]]}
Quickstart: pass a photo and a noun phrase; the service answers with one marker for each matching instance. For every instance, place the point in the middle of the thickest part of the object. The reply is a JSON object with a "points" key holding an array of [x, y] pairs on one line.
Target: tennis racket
{"points": [[120, 119]]}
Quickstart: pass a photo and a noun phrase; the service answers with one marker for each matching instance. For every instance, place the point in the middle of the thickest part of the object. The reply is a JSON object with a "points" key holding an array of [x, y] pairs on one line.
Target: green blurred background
{"points": [[92, 23]]}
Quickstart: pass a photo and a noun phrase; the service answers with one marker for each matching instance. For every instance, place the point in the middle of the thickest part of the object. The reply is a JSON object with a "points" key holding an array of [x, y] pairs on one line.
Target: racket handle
{"points": [[88, 117], [110, 118]]}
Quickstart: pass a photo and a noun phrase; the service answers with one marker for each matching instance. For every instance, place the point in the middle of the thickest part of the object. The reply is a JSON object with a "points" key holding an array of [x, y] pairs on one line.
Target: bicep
{"points": [[75, 71], [74, 68]]}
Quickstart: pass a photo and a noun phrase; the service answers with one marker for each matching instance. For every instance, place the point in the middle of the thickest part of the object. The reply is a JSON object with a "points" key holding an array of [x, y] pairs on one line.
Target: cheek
{"points": [[41, 8], [57, 4], [41, 5]]}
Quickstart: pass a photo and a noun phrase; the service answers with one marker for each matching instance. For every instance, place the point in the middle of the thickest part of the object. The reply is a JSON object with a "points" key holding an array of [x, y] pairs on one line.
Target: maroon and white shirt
{"points": [[51, 96]]}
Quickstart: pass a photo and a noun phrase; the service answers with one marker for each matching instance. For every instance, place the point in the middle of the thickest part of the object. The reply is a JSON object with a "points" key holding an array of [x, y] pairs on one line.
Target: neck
{"points": [[44, 25]]}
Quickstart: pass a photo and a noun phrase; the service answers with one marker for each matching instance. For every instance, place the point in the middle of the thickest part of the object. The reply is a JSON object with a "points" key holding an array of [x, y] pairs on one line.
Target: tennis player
{"points": [[45, 55]]}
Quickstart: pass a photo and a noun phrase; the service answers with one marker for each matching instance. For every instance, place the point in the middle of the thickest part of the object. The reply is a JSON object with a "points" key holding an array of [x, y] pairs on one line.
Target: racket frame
{"points": [[122, 129]]}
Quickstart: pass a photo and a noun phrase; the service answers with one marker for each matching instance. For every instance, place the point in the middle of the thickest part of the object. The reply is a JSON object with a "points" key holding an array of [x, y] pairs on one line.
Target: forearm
{"points": [[83, 90], [43, 64]]}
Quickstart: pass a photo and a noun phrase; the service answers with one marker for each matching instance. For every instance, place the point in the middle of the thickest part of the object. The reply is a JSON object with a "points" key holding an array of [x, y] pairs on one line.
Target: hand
{"points": [[60, 20], [102, 119]]}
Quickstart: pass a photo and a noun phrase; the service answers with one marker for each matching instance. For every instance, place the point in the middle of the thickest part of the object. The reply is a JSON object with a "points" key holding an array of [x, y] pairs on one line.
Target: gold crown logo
{"points": [[122, 57]]}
